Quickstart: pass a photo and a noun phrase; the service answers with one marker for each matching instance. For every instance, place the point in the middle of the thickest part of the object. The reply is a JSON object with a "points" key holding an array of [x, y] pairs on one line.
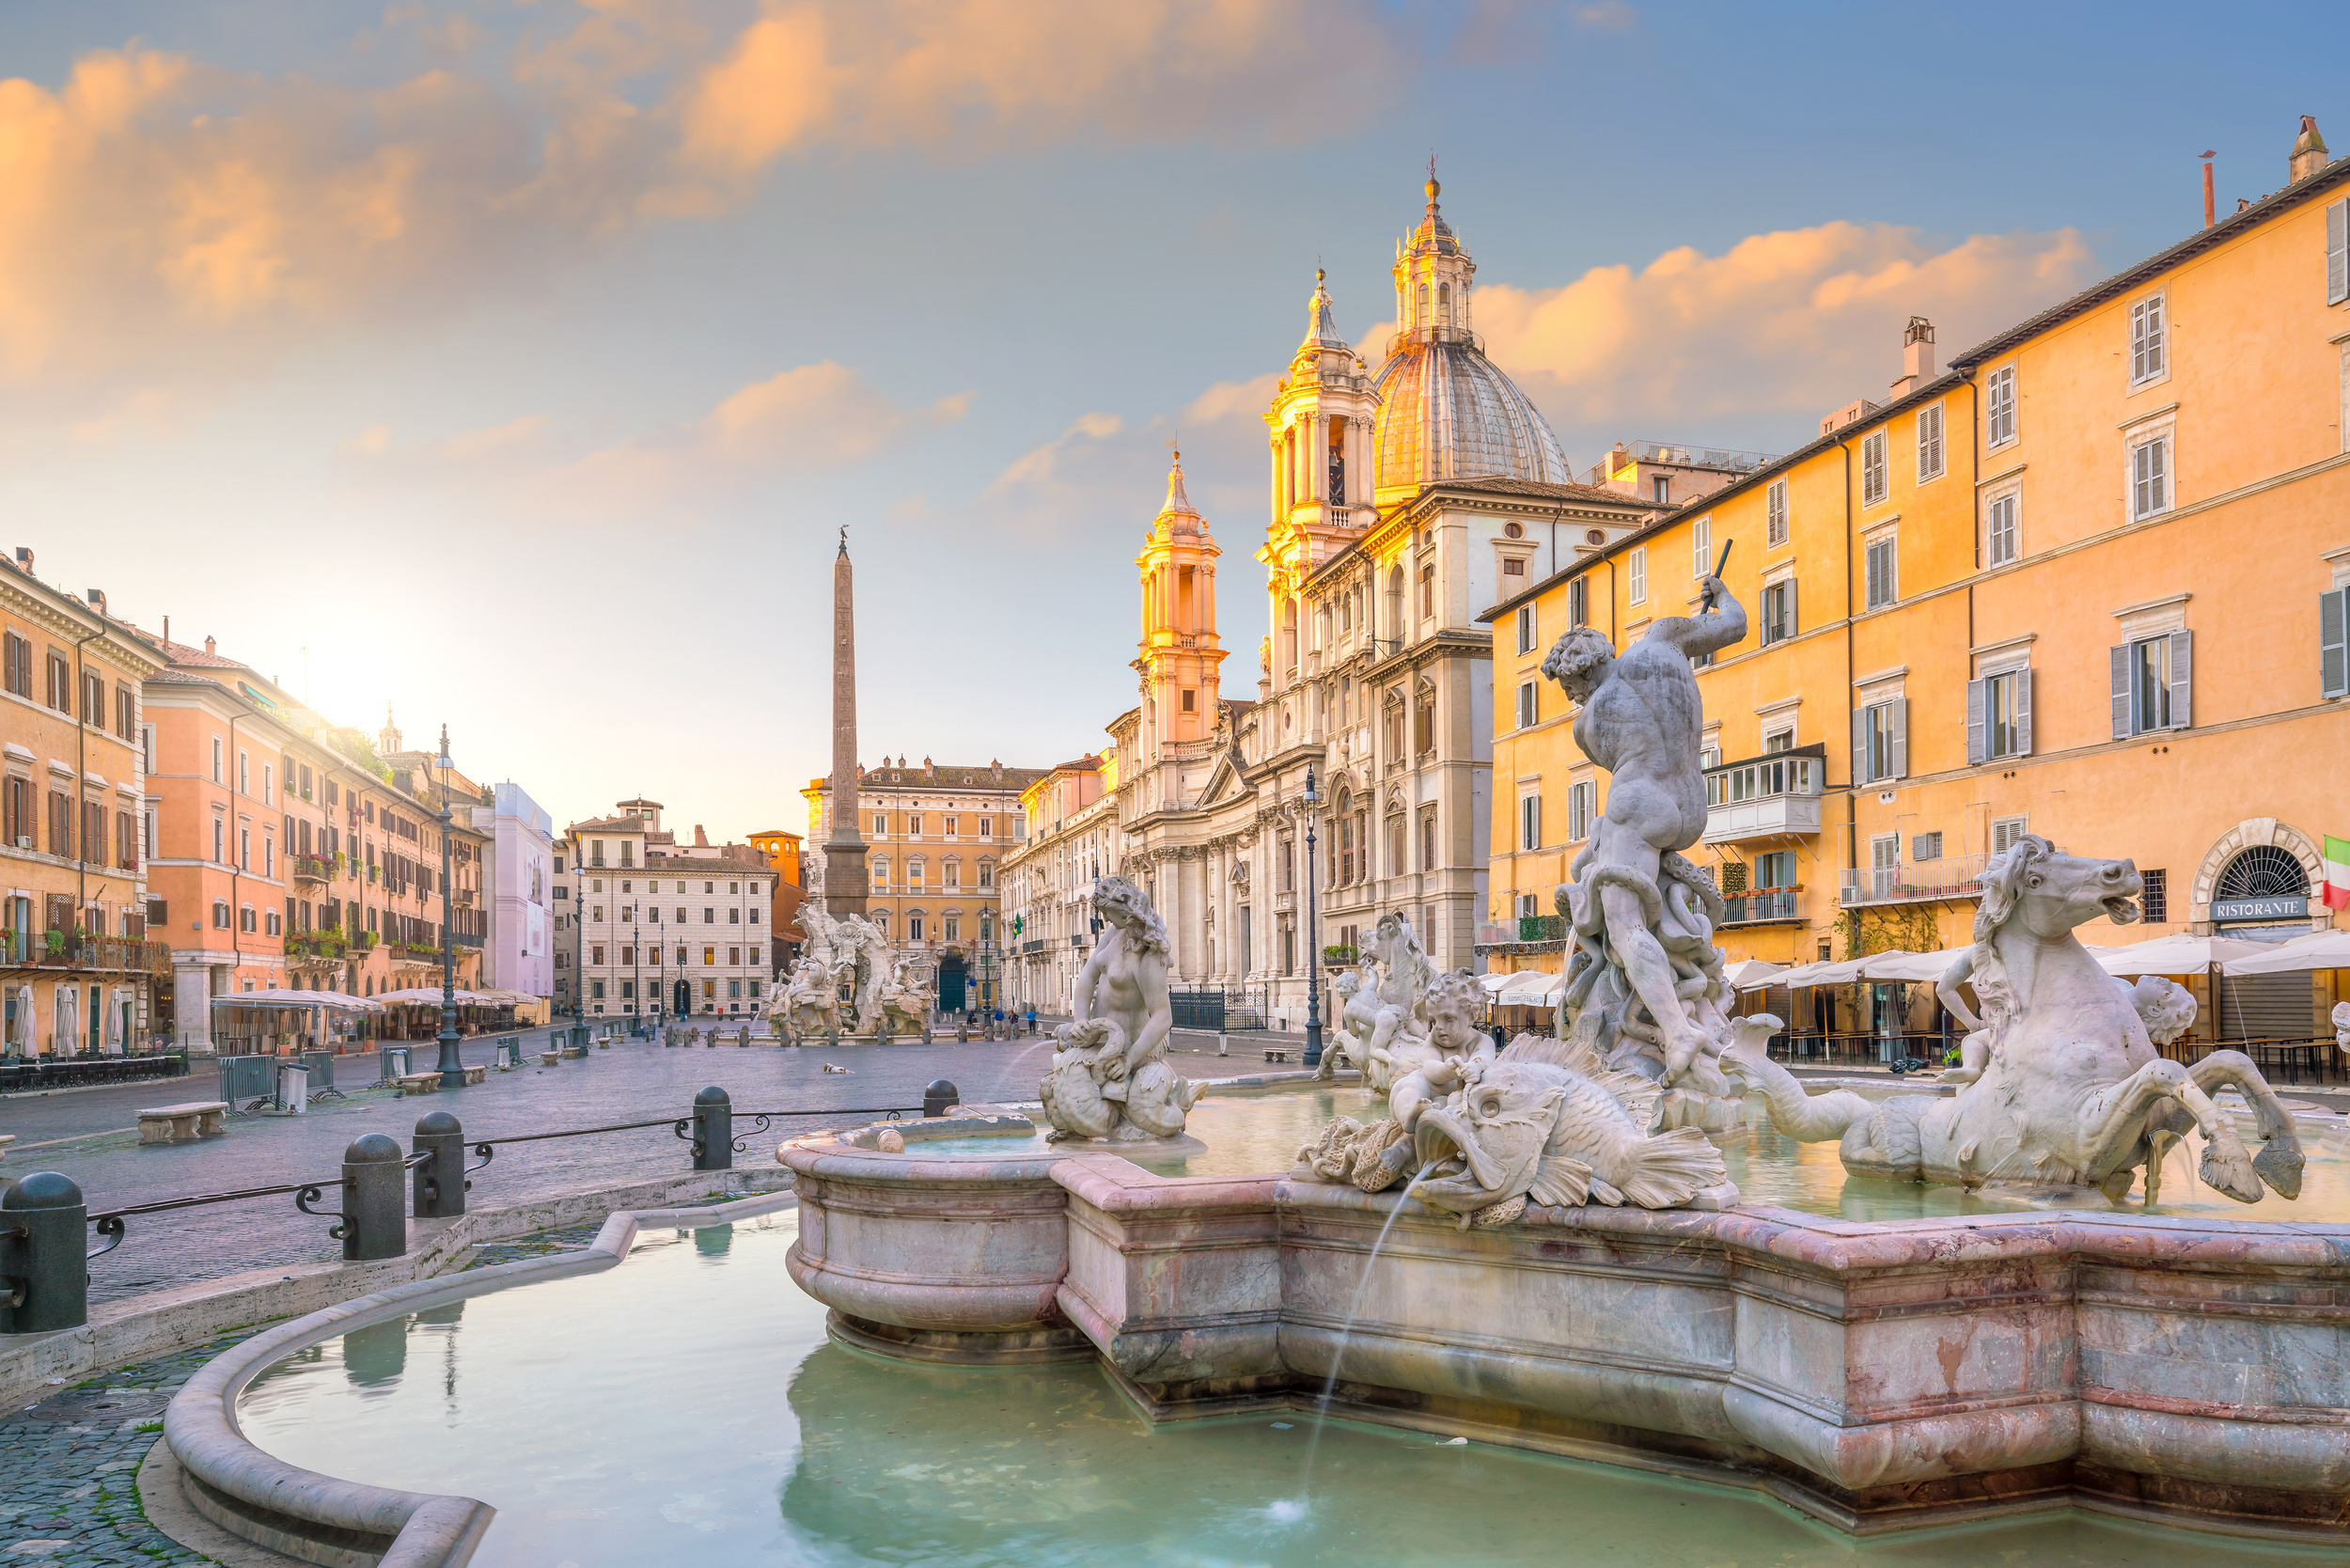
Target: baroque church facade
{"points": [[1404, 502]]}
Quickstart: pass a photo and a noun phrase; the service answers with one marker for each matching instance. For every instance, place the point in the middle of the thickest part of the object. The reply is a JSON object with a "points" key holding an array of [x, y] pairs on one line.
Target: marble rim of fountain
{"points": [[340, 1522], [1770, 1348]]}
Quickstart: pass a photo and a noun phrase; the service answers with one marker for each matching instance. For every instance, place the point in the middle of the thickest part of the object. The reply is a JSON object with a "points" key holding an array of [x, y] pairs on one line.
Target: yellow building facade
{"points": [[2091, 581]]}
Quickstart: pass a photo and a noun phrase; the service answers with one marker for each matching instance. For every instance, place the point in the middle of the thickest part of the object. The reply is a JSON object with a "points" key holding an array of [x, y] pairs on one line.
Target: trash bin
{"points": [[293, 1087], [394, 1062]]}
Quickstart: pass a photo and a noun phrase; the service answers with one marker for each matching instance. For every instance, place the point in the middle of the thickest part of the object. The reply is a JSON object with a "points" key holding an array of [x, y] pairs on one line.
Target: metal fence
{"points": [[80, 1072], [44, 1274]]}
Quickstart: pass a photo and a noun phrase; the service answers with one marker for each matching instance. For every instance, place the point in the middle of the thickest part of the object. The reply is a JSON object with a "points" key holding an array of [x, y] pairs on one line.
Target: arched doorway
{"points": [[951, 982], [681, 999]]}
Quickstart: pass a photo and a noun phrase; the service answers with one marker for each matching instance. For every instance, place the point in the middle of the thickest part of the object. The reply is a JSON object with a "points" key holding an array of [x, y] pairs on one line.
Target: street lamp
{"points": [[452, 1065], [1313, 934]]}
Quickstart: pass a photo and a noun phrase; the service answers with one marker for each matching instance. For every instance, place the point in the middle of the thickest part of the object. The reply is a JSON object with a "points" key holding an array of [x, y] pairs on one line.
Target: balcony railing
{"points": [[1523, 930], [1764, 906], [65, 950], [1955, 876], [1764, 797], [326, 945], [312, 868]]}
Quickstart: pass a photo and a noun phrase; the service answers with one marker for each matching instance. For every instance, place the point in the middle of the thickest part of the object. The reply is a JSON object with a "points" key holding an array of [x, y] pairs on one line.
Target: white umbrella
{"points": [[22, 1036], [67, 1039], [1533, 988], [1843, 973], [1753, 974], [297, 998], [116, 1001], [2324, 950], [2177, 954], [1911, 967], [1496, 979]]}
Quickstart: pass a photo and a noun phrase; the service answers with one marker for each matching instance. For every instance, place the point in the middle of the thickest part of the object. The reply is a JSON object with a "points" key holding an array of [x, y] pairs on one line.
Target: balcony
{"points": [[1525, 934], [1765, 797], [1764, 907], [312, 868], [323, 946], [66, 953], [1955, 876]]}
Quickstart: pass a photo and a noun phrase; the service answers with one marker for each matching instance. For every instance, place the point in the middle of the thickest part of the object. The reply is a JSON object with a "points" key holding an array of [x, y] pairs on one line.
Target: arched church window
{"points": [[1444, 304], [1342, 862], [1419, 308], [1395, 601], [1337, 460]]}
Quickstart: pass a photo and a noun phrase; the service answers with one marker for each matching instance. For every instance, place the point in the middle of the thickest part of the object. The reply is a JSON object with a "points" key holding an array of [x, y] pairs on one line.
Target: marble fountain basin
{"points": [[1878, 1373]]}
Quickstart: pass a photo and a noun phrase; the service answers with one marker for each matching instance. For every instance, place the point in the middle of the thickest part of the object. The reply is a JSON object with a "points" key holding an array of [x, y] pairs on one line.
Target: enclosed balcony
{"points": [[1765, 797]]}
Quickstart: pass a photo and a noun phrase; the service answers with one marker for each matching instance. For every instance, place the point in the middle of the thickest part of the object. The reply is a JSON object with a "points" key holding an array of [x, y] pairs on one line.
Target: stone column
{"points": [[846, 882]]}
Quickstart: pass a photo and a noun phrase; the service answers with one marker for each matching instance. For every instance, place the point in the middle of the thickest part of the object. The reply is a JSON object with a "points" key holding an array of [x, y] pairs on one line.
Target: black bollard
{"points": [[375, 1222], [42, 1266], [940, 1095], [713, 1130], [440, 1182]]}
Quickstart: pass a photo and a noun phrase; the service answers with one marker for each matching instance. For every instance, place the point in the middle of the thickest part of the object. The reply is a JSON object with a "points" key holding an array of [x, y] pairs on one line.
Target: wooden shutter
{"points": [[2338, 252], [2119, 655], [1898, 712], [1978, 722], [2181, 678], [2333, 636], [2023, 712], [1861, 774]]}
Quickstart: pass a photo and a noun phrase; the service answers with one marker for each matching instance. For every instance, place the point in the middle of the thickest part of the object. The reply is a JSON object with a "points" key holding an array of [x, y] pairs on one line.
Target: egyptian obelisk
{"points": [[844, 846]]}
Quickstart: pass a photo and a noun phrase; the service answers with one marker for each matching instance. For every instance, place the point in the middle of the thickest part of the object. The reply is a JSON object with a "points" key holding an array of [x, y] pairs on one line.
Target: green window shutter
{"points": [[2333, 640]]}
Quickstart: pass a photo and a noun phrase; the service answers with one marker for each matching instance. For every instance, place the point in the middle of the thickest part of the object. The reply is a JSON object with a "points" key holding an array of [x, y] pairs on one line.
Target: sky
{"points": [[517, 365]]}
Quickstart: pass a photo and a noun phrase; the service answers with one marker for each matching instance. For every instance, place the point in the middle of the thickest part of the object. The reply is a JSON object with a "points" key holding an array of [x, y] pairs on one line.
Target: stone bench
{"points": [[1277, 1056], [474, 1074], [548, 1059], [419, 1083], [182, 1123]]}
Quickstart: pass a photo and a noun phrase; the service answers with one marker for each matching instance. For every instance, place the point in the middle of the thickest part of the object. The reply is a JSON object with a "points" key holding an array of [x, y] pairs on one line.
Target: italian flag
{"points": [[2337, 873]]}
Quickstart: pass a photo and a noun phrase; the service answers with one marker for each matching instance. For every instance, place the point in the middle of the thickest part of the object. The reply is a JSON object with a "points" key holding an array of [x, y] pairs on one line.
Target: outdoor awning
{"points": [[295, 998], [1911, 967], [1753, 974], [1530, 988], [1495, 980], [2179, 954], [1843, 973], [2324, 950]]}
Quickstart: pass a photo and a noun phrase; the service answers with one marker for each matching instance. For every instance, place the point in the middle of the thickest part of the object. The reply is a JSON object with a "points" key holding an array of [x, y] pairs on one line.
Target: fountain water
{"points": [[1337, 1357]]}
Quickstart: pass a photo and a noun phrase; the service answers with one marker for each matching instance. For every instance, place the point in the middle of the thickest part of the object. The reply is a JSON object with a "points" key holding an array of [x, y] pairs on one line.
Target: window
{"points": [[1513, 566], [1661, 490], [244, 918], [1779, 611], [60, 684], [1428, 842], [2151, 681], [1427, 591], [1999, 406], [2333, 642], [2153, 902], [1529, 704], [220, 915], [1930, 443], [1775, 869], [1579, 602], [1885, 863], [1873, 469], [1998, 530], [1525, 628], [1189, 698], [914, 869], [1581, 798], [987, 827], [245, 773], [1883, 574], [1530, 823], [709, 958], [2149, 342], [914, 824], [1701, 547], [2005, 831], [1880, 741], [93, 698], [1998, 716], [2149, 477], [1774, 510], [881, 824], [710, 916], [914, 926], [880, 872], [18, 668]]}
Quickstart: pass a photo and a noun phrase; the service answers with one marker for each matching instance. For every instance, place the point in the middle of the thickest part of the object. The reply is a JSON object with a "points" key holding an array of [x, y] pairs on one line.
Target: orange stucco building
{"points": [[2091, 582]]}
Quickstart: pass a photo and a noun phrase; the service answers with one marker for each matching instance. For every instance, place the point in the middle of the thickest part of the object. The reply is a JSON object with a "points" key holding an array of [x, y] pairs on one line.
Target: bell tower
{"points": [[1431, 279], [1321, 429], [1180, 651]]}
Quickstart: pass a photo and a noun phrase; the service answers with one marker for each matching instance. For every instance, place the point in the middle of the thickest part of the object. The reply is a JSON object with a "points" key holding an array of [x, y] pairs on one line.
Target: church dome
{"points": [[1446, 412]]}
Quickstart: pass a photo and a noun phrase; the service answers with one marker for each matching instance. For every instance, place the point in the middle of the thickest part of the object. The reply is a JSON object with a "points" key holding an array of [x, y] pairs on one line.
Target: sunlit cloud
{"points": [[1794, 323], [812, 419]]}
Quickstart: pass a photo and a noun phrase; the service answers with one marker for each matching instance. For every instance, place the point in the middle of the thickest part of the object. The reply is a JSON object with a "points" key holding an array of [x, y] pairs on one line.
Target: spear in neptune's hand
{"points": [[1718, 571]]}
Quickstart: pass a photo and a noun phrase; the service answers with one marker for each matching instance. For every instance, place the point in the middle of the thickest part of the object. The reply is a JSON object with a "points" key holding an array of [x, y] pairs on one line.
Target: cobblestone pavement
{"points": [[631, 1081], [67, 1496]]}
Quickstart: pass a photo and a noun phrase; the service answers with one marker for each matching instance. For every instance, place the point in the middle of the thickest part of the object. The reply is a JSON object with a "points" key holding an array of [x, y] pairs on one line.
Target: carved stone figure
{"points": [[1641, 915], [1391, 998], [1344, 1040], [2340, 1016], [2071, 1090], [843, 952], [1109, 1080], [906, 1001]]}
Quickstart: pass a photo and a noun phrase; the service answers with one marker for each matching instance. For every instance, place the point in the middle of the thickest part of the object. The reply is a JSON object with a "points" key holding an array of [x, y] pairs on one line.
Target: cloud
{"points": [[1780, 328], [1608, 16], [814, 419], [166, 222]]}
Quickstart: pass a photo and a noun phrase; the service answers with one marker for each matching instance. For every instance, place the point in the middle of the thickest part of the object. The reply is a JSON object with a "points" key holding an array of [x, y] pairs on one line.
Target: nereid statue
{"points": [[1109, 1080], [2064, 1088]]}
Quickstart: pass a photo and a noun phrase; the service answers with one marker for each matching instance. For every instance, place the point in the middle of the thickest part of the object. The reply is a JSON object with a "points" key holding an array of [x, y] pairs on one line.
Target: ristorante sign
{"points": [[2260, 909]]}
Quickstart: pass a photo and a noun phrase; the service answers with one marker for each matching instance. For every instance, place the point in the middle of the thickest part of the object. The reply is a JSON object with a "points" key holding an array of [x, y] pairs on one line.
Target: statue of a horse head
{"points": [[2051, 892]]}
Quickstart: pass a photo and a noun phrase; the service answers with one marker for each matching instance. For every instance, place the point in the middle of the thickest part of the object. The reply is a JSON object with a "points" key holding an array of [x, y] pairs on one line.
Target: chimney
{"points": [[2211, 212], [25, 561], [208, 645], [701, 840], [98, 600], [2308, 156], [1916, 356]]}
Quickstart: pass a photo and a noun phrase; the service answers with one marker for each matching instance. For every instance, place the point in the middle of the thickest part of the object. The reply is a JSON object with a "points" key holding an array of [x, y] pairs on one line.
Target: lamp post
{"points": [[1313, 933], [452, 1065], [579, 934]]}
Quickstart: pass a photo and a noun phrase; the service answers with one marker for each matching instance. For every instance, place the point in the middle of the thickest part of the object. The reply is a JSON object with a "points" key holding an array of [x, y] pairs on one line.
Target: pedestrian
{"points": [[1032, 1020]]}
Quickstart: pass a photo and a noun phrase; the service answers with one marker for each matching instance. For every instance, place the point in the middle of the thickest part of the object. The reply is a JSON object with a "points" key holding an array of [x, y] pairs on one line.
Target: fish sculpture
{"points": [[1547, 1123]]}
